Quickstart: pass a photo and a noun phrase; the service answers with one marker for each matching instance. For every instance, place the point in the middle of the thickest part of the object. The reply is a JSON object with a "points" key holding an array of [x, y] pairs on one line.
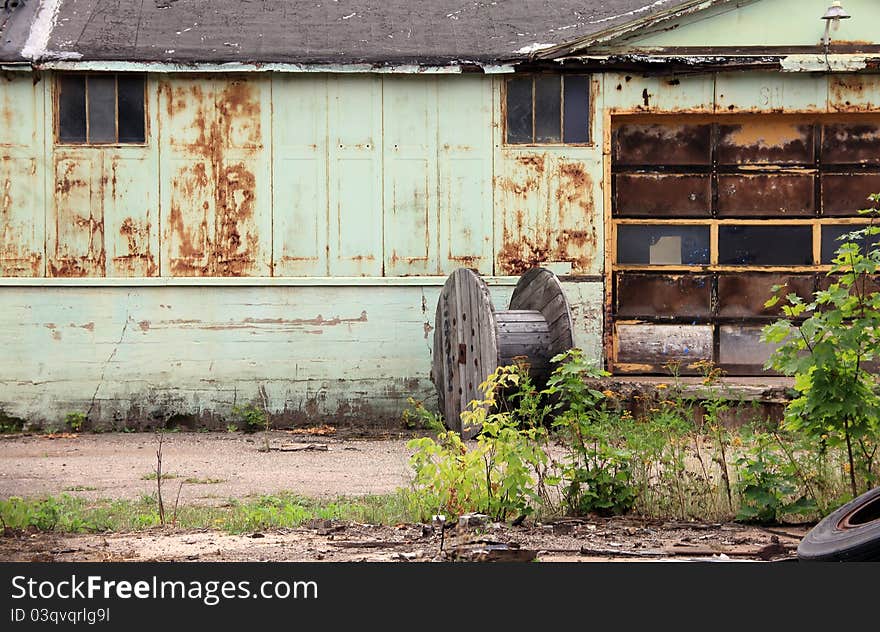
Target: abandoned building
{"points": [[205, 204]]}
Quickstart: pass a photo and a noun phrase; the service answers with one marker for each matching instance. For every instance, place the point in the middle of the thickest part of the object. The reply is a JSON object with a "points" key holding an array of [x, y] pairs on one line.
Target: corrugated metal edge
{"points": [[165, 67]]}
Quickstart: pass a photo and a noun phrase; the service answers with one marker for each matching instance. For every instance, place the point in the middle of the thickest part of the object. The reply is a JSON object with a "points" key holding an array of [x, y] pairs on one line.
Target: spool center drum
{"points": [[471, 339]]}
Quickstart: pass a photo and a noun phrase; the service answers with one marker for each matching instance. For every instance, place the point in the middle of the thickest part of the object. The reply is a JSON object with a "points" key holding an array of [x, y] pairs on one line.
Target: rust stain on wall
{"points": [[549, 210], [139, 259], [211, 219], [79, 238]]}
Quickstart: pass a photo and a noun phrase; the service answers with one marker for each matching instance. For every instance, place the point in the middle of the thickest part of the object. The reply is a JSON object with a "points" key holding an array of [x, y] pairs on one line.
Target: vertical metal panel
{"points": [[21, 177], [465, 172], [769, 92], [409, 124], [216, 215], [75, 231], [299, 191], [131, 215], [545, 201], [355, 246]]}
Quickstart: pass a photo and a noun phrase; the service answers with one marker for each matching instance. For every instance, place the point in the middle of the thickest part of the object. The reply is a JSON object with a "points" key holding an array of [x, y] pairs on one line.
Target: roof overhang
{"points": [[639, 25]]}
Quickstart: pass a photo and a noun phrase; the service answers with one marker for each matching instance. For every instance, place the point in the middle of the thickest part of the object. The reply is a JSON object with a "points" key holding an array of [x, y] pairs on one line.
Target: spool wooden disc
{"points": [[471, 339], [465, 345], [539, 289]]}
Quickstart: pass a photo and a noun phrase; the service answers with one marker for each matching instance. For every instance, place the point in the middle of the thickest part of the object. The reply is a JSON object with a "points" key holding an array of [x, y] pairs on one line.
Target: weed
{"points": [[74, 515], [769, 483], [203, 481], [75, 421], [826, 343], [152, 476]]}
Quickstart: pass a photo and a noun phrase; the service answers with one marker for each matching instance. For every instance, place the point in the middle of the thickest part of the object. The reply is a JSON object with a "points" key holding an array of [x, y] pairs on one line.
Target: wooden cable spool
{"points": [[472, 339]]}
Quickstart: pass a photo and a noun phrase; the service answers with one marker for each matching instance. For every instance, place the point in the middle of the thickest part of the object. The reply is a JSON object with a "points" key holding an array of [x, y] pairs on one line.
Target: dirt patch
{"points": [[97, 466], [620, 539]]}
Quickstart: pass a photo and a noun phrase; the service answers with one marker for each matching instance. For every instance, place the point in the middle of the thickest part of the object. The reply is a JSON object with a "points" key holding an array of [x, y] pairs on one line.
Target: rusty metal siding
{"points": [[22, 172], [216, 209], [548, 201]]}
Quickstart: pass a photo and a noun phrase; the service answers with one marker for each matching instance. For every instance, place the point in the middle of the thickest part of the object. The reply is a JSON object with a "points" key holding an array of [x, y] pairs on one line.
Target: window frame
{"points": [[591, 92], [56, 107]]}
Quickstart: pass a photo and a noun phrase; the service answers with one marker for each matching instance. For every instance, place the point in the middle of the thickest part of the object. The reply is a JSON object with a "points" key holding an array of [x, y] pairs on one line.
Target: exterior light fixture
{"points": [[833, 15]]}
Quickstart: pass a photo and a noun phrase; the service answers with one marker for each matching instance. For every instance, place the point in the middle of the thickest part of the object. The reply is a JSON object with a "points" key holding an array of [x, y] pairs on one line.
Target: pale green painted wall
{"points": [[763, 23], [138, 348]]}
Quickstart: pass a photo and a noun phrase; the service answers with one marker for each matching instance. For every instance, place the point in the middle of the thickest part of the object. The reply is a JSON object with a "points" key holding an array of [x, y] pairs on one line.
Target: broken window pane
{"points": [[102, 109], [663, 245], [131, 108], [765, 245], [519, 110], [72, 109], [831, 241], [576, 117], [548, 109]]}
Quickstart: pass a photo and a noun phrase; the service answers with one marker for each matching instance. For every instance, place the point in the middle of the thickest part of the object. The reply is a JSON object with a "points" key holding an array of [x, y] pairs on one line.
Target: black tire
{"points": [[849, 534]]}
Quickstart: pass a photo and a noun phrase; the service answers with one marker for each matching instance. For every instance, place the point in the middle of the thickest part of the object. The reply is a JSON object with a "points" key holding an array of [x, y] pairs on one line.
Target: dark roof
{"points": [[314, 32]]}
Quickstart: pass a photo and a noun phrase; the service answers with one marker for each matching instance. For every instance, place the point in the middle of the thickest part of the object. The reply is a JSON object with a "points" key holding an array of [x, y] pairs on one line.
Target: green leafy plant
{"points": [[417, 416], [826, 343], [75, 421], [769, 483], [501, 475], [251, 418], [596, 472]]}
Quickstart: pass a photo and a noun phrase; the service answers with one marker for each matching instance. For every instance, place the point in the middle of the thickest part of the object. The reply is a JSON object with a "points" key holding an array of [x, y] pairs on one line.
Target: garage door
{"points": [[708, 214]]}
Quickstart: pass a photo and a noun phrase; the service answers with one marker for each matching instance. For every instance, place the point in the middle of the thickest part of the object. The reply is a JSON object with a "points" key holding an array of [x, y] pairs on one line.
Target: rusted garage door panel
{"points": [[674, 144], [744, 295], [843, 195], [766, 195], [741, 351], [851, 143], [644, 348], [662, 195], [763, 140], [663, 296], [217, 212]]}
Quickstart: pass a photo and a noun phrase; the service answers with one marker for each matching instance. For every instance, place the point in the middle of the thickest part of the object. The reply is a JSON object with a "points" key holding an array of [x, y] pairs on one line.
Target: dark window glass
{"points": [[72, 109], [765, 245], [536, 114], [663, 245], [548, 109], [102, 109], [131, 109], [577, 109], [519, 111], [831, 241]]}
